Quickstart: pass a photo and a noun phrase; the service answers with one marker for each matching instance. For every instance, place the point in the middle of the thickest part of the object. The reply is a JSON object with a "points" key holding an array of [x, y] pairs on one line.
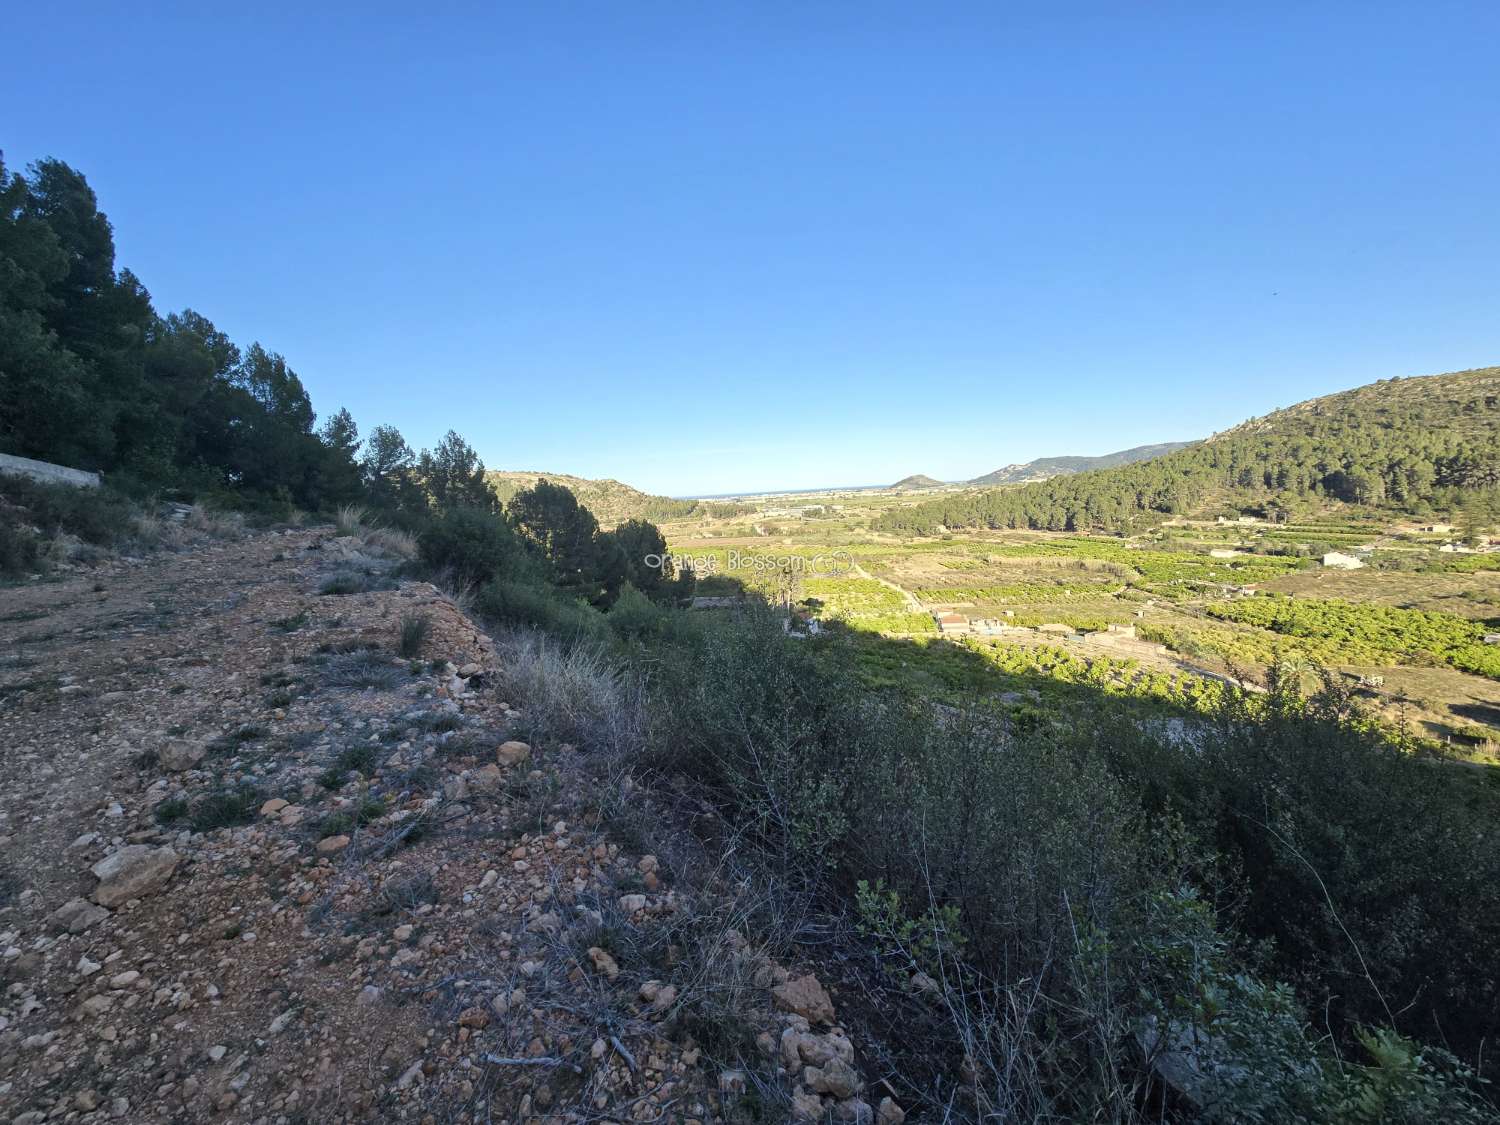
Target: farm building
{"points": [[951, 622], [1336, 560], [993, 627]]}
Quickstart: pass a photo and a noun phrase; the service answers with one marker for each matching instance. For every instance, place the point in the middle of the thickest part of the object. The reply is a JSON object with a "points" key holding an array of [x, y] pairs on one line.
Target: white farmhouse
{"points": [[1337, 561]]}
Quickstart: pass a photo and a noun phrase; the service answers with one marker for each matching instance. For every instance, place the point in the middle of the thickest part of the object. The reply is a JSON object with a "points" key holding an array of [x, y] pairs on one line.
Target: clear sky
{"points": [[709, 246]]}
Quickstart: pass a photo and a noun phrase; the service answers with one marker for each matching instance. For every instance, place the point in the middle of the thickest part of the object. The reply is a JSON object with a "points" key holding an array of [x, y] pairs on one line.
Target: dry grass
{"points": [[349, 519], [391, 541], [214, 523], [573, 695]]}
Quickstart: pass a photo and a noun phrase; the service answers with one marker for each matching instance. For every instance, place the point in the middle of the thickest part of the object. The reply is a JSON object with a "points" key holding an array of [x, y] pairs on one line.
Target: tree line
{"points": [[93, 377]]}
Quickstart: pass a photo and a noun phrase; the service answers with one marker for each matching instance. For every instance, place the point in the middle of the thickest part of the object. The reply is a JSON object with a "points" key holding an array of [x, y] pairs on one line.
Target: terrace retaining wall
{"points": [[46, 472]]}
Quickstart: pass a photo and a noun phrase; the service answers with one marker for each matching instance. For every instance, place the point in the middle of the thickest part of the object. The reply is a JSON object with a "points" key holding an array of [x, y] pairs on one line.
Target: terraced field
{"points": [[1409, 626]]}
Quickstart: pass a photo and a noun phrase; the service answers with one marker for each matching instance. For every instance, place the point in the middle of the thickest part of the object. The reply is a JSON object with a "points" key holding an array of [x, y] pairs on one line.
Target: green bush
{"points": [[476, 547], [414, 631], [1063, 861], [1370, 870], [32, 513], [347, 582], [538, 606], [226, 808], [635, 616], [20, 550], [99, 516]]}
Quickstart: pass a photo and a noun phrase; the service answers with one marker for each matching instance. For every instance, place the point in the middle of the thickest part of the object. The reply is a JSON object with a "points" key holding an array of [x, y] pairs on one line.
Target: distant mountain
{"points": [[1045, 468], [611, 502]]}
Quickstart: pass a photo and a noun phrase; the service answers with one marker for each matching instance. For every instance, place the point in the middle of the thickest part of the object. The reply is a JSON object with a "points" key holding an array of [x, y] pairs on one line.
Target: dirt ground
{"points": [[337, 884]]}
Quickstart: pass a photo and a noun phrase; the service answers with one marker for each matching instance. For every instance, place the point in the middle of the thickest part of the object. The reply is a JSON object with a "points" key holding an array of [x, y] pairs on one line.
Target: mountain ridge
{"points": [[1045, 468]]}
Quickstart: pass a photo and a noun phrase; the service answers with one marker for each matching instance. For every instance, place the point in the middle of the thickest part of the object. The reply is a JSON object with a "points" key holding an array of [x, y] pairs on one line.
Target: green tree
{"points": [[341, 479], [44, 397], [387, 466], [641, 545], [567, 536], [453, 476], [188, 362]]}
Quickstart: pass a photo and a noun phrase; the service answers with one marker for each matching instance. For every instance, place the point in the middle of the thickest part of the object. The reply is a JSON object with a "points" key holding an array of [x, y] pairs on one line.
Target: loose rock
{"points": [[133, 872]]}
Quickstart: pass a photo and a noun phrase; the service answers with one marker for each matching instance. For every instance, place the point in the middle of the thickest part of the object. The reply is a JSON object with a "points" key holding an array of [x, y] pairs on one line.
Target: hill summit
{"points": [[611, 501]]}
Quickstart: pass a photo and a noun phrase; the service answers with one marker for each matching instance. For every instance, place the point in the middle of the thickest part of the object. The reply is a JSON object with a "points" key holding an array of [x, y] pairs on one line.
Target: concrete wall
{"points": [[47, 473]]}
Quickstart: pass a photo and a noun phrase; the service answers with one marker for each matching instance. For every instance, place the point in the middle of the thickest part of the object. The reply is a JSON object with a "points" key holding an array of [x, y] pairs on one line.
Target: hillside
{"points": [[329, 882], [1044, 468], [1411, 445], [918, 480], [609, 500]]}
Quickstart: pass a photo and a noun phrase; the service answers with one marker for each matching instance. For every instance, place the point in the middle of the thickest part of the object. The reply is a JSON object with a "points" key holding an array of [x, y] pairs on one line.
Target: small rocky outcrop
{"points": [[512, 753], [805, 997], [132, 872], [75, 916], [179, 755]]}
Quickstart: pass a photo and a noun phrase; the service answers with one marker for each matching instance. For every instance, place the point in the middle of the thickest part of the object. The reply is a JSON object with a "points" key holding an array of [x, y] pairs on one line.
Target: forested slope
{"points": [[1413, 445], [92, 376]]}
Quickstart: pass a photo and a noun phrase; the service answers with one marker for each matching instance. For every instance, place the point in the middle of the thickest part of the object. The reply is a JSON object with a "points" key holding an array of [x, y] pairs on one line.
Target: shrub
{"points": [[358, 759], [352, 582], [363, 669], [214, 522], [476, 547], [96, 515], [755, 719], [524, 603], [338, 823], [20, 550], [1057, 864], [392, 541], [636, 616], [37, 519], [1372, 870], [414, 631], [171, 811], [226, 808]]}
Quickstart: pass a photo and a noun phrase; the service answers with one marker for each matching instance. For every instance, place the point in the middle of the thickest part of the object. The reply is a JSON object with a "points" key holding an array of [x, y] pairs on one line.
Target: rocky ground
{"points": [[256, 865]]}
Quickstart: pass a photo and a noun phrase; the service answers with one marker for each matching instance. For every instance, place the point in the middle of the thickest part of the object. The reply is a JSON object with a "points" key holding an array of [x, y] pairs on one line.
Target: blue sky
{"points": [[709, 246]]}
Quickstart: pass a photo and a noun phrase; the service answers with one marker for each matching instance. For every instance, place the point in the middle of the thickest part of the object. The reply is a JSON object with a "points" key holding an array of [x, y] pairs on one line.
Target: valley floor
{"points": [[1165, 602]]}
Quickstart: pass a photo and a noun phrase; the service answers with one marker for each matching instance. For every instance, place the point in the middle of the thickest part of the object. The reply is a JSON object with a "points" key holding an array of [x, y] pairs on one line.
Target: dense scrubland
{"points": [[1069, 872]]}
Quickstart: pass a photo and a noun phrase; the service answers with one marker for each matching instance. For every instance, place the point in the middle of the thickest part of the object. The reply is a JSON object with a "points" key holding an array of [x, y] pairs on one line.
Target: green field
{"points": [[1411, 607]]}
